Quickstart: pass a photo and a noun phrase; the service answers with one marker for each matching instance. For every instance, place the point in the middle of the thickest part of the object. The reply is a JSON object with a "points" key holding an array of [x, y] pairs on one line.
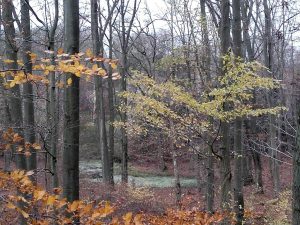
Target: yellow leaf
{"points": [[10, 205], [39, 194], [36, 146], [50, 200], [12, 84], [113, 65], [69, 81], [95, 67], [8, 61], [102, 72], [25, 214], [89, 53]]}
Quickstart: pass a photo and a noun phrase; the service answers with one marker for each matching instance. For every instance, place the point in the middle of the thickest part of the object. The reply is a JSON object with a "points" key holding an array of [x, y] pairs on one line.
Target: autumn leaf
{"points": [[69, 81], [10, 205], [25, 214], [74, 206], [127, 218], [39, 194], [113, 65], [36, 146], [60, 51], [89, 53], [50, 200], [8, 61]]}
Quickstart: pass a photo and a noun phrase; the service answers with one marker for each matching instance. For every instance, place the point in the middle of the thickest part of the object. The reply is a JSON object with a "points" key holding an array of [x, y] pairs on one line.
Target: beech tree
{"points": [[71, 107]]}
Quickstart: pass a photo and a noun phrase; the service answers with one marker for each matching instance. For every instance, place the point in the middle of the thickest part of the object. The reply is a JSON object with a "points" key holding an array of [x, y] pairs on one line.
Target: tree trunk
{"points": [[54, 115], [100, 106], [28, 120], [268, 57], [15, 103], [238, 141], [225, 162], [71, 110], [210, 182], [111, 105], [175, 166], [296, 177]]}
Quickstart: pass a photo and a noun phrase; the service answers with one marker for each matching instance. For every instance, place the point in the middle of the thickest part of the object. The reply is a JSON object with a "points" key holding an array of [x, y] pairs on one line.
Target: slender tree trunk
{"points": [[124, 120], [111, 105], [54, 115], [124, 40], [207, 64], [71, 110], [175, 166], [268, 57], [210, 190], [100, 106], [296, 176]]}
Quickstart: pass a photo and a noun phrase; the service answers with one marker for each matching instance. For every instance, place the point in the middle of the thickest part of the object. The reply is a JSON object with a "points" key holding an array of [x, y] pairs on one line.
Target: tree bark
{"points": [[296, 177], [107, 172], [54, 115], [71, 110], [238, 141], [28, 120], [225, 162], [268, 57]]}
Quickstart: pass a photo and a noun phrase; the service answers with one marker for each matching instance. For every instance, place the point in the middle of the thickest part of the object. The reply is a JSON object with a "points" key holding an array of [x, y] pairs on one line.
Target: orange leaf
{"points": [[60, 51], [127, 218]]}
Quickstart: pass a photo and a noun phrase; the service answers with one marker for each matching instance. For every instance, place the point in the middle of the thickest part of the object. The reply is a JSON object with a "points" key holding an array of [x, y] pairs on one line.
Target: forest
{"points": [[150, 112]]}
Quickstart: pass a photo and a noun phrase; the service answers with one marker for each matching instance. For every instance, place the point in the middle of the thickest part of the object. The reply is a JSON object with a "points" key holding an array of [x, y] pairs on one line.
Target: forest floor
{"points": [[262, 209], [155, 199]]}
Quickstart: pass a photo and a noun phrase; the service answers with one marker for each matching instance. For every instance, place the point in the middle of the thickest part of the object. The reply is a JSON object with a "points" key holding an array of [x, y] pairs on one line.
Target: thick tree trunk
{"points": [[238, 141], [28, 120], [15, 103], [71, 110], [225, 162]]}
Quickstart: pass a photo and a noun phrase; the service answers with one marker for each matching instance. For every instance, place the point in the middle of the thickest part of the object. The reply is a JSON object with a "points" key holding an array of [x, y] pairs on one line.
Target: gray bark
{"points": [[225, 162], [54, 115], [11, 50], [238, 144], [125, 33], [296, 176], [100, 107], [268, 57], [28, 120], [71, 109]]}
